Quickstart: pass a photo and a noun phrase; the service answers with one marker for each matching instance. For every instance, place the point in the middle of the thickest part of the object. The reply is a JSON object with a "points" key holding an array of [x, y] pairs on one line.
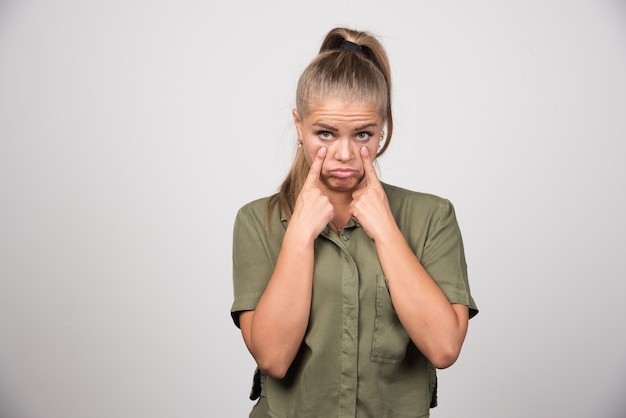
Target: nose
{"points": [[343, 151]]}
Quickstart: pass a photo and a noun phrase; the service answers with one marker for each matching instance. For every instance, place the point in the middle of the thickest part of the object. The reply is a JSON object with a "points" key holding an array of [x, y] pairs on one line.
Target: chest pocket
{"points": [[390, 340]]}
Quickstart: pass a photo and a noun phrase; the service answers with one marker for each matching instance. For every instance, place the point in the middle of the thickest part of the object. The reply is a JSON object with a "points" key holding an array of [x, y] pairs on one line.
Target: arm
{"points": [[274, 331], [435, 326]]}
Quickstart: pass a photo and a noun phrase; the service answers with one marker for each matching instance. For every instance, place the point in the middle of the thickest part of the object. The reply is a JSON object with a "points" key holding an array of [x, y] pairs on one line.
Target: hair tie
{"points": [[351, 46]]}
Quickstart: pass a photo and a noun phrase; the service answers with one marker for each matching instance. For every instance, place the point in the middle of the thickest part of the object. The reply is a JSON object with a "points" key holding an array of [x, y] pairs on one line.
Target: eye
{"points": [[325, 135], [363, 136]]}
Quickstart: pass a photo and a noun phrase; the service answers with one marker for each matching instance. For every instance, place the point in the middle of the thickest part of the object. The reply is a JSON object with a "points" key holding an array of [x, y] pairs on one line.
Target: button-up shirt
{"points": [[356, 359]]}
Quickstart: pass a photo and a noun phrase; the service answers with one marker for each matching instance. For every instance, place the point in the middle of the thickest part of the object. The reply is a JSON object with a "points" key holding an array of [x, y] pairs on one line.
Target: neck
{"points": [[341, 203], [338, 198], [342, 213]]}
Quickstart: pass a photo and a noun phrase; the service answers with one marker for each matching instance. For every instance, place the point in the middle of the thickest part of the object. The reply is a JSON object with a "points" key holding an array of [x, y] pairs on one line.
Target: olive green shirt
{"points": [[356, 359]]}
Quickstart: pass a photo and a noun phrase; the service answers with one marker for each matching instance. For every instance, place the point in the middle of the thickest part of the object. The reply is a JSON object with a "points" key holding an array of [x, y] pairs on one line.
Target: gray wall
{"points": [[131, 131]]}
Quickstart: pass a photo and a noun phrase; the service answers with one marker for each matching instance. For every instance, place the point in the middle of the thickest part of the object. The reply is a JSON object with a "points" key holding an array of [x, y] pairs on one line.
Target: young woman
{"points": [[349, 292]]}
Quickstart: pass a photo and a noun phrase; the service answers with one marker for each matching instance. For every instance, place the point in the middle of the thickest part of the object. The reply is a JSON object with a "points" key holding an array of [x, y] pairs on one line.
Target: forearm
{"points": [[436, 327], [277, 326]]}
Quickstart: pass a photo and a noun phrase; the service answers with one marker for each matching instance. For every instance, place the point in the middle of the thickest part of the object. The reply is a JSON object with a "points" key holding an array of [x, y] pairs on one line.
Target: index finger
{"points": [[368, 166], [316, 168]]}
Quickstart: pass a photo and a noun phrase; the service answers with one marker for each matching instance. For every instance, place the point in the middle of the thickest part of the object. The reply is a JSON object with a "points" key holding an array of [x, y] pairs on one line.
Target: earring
{"points": [[299, 143], [382, 134]]}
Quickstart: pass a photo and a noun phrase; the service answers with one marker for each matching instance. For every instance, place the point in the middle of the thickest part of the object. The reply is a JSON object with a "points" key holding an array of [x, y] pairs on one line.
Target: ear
{"points": [[297, 122]]}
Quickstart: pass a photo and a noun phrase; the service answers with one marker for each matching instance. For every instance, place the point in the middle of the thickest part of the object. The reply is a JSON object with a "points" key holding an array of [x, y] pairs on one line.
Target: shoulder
{"points": [[256, 213], [257, 206], [401, 199], [418, 214]]}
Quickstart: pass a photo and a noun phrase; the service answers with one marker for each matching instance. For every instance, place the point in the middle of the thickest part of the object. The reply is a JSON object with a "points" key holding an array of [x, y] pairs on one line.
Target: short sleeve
{"points": [[444, 257], [255, 250]]}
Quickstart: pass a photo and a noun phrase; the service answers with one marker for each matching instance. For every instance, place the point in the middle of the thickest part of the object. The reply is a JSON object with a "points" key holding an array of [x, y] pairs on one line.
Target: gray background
{"points": [[131, 131]]}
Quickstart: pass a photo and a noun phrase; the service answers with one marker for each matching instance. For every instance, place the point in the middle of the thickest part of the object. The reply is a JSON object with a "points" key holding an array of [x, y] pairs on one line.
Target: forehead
{"points": [[339, 110]]}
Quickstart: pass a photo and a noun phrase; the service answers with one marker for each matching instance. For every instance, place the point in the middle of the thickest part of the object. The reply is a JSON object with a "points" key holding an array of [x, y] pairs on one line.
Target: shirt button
{"points": [[345, 237]]}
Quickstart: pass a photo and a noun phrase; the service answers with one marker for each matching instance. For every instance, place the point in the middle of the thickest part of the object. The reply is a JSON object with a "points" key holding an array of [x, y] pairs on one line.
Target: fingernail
{"points": [[322, 151], [364, 151]]}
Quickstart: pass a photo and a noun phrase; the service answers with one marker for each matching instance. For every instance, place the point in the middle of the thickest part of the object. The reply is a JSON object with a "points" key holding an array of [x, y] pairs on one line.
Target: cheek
{"points": [[372, 147], [308, 152]]}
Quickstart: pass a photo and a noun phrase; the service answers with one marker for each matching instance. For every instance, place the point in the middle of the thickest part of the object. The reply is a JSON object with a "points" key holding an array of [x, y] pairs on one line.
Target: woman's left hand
{"points": [[370, 207]]}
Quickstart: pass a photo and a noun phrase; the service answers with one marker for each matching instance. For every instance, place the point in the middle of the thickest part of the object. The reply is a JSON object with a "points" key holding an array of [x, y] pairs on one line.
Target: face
{"points": [[343, 128]]}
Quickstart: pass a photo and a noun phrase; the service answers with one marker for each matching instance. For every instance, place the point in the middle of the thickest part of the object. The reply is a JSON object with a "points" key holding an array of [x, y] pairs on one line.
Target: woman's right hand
{"points": [[313, 210]]}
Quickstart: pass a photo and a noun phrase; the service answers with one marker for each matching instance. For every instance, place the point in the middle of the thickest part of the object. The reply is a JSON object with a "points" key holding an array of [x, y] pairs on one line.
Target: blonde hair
{"points": [[359, 72]]}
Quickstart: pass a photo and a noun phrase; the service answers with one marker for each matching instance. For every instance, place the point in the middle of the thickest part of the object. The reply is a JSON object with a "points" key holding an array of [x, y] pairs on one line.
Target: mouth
{"points": [[343, 173]]}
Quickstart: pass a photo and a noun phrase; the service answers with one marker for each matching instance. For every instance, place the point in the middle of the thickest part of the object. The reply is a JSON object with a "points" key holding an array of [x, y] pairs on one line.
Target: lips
{"points": [[342, 173]]}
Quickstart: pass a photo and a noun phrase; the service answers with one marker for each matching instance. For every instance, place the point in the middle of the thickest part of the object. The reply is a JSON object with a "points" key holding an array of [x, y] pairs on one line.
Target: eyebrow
{"points": [[333, 129]]}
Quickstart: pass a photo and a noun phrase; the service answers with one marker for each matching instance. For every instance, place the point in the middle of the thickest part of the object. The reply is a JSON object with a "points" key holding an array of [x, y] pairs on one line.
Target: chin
{"points": [[343, 185]]}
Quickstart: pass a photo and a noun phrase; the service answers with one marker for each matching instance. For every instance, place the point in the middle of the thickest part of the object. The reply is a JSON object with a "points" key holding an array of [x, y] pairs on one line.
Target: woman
{"points": [[349, 292]]}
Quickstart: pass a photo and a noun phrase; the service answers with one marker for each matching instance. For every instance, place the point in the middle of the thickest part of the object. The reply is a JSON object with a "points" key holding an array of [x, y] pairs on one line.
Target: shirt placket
{"points": [[349, 333]]}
